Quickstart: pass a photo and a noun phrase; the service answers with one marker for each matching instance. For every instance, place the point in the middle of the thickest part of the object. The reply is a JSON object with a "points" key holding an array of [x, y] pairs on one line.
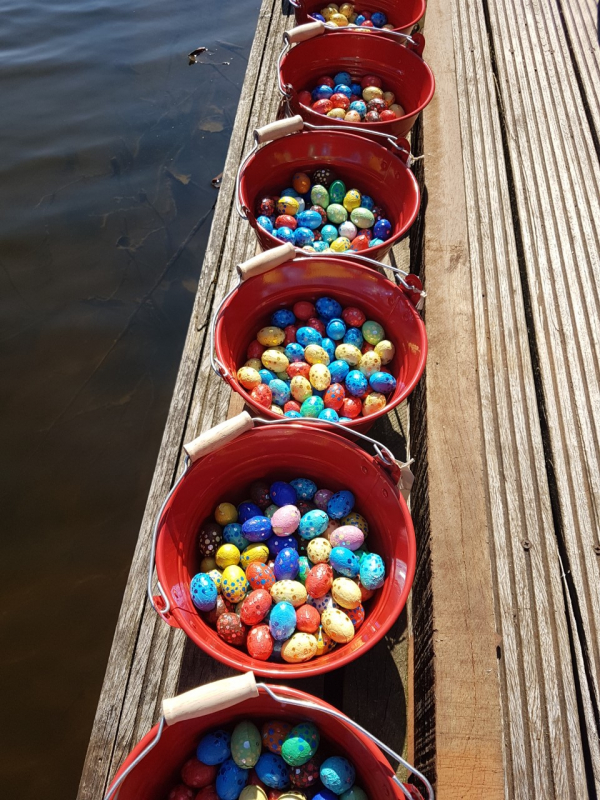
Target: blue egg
{"points": [[367, 202], [280, 391], [345, 419], [358, 21], [231, 779], [305, 488], [282, 622], [322, 92], [276, 654], [303, 237], [382, 229], [375, 242], [265, 222], [278, 543], [232, 534], [336, 328], [282, 318], [330, 415], [338, 370], [292, 413], [344, 561], [247, 510], [343, 78], [309, 219], [353, 336], [313, 523], [356, 383], [286, 564], [340, 504], [360, 106], [328, 308], [289, 192], [273, 771], [285, 234], [341, 88], [283, 494], [337, 774], [318, 17], [356, 89], [312, 406], [266, 375], [257, 529], [382, 382], [378, 19], [214, 748], [329, 348], [329, 233], [203, 591], [320, 246], [306, 336], [294, 352], [372, 571]]}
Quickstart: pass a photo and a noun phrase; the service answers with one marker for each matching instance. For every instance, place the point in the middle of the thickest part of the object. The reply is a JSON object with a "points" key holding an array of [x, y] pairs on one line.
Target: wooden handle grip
{"points": [[276, 130], [304, 32], [263, 262], [216, 437], [210, 698]]}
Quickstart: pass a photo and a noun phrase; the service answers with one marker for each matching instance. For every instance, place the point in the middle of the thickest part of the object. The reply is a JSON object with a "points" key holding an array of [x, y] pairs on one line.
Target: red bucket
{"points": [[279, 285], [402, 14], [153, 768], [280, 451], [373, 168], [360, 53]]}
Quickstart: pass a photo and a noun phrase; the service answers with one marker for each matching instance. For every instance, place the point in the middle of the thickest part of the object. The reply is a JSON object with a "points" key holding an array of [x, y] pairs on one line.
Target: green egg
{"points": [[337, 191], [355, 793], [372, 331], [246, 744], [270, 511], [301, 744], [303, 569], [362, 218], [337, 214], [319, 196]]}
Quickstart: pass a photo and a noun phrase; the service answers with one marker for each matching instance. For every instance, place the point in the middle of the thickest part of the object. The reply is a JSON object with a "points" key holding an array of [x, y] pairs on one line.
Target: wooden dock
{"points": [[502, 695]]}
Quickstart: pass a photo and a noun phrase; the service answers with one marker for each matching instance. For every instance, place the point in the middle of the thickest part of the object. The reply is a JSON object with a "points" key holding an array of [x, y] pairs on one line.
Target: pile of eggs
{"points": [[321, 215], [319, 360], [363, 100], [345, 15], [276, 762], [285, 574]]}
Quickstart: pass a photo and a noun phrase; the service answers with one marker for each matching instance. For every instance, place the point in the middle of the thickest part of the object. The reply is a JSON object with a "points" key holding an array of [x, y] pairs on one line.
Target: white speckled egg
{"points": [[318, 550], [349, 536], [289, 592], [319, 377], [337, 625], [300, 647], [346, 593]]}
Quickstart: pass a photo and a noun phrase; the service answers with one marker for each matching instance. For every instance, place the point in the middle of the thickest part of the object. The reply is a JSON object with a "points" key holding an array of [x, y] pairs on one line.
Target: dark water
{"points": [[109, 141]]}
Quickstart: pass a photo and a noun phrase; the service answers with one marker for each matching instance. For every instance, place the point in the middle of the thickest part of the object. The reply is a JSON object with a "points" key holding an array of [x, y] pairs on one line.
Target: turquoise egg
{"points": [[203, 591], [309, 219], [320, 246], [337, 192], [313, 523], [337, 214], [337, 774], [232, 534], [372, 571], [282, 621], [305, 488], [345, 562], [231, 779], [312, 406], [329, 233]]}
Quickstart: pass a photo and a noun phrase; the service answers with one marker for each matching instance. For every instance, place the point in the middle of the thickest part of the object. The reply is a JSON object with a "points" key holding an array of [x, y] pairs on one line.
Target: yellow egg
{"points": [[339, 19], [208, 564], [270, 336], [248, 377], [254, 552], [324, 642], [276, 410], [225, 513], [372, 403], [314, 354], [318, 550], [333, 7], [326, 12], [385, 350], [290, 592], [346, 593], [309, 248], [216, 576], [274, 360], [227, 556], [389, 98], [252, 792], [288, 205], [347, 9], [348, 353], [299, 647], [337, 113], [356, 519], [370, 363], [319, 376], [352, 200], [341, 244], [300, 388], [337, 625], [389, 27], [234, 584], [254, 363], [372, 92]]}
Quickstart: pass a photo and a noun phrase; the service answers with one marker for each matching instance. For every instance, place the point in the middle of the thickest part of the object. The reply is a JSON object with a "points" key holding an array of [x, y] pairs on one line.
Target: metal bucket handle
{"points": [[217, 437], [229, 692]]}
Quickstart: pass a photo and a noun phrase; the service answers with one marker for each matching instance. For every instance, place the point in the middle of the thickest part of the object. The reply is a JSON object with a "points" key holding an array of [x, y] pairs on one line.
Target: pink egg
{"points": [[285, 520], [347, 536], [321, 498]]}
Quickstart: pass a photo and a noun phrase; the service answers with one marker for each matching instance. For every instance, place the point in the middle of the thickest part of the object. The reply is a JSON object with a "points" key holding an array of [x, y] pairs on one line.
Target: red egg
{"points": [[259, 494], [231, 629], [360, 242], [298, 368], [274, 794], [308, 619], [196, 774], [274, 733], [266, 206], [303, 310], [339, 100], [367, 24], [325, 80], [306, 775], [305, 98], [260, 576], [262, 395], [371, 80], [320, 577], [353, 316], [376, 104], [316, 323], [291, 405], [387, 116], [354, 98], [255, 606], [208, 793], [372, 116], [260, 642], [255, 349], [367, 347], [351, 407], [357, 616], [366, 14], [181, 792], [290, 334], [286, 221], [317, 234], [322, 106], [334, 396], [221, 608]]}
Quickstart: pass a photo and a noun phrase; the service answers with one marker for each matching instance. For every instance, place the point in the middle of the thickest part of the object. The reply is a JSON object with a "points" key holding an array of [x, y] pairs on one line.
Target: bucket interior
{"points": [[156, 775], [401, 14], [251, 307], [284, 452]]}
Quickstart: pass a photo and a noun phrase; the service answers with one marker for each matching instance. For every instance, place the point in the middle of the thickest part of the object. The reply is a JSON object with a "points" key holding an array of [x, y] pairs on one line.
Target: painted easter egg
{"points": [[285, 520], [196, 774], [234, 584], [231, 629], [356, 615], [373, 402], [248, 377], [227, 555], [285, 234], [334, 396], [226, 513], [340, 504], [353, 518], [255, 606], [209, 539], [308, 619], [319, 377], [372, 571], [319, 196], [318, 549], [250, 792], [373, 332], [382, 382], [311, 407], [280, 391], [344, 561], [337, 774], [274, 360], [274, 734], [321, 498], [260, 642], [247, 510], [255, 552], [301, 182], [319, 580], [346, 593], [216, 576], [300, 388], [301, 744], [262, 395], [348, 353], [286, 564], [329, 233], [299, 648], [340, 245], [278, 543], [282, 318], [315, 354], [231, 779], [370, 363], [309, 219], [257, 529], [307, 335], [270, 336], [356, 383], [324, 175], [305, 488], [245, 744], [303, 569], [232, 534], [272, 771], [287, 591], [338, 370], [222, 607], [315, 522], [336, 213], [265, 223], [337, 190], [351, 201], [260, 575], [288, 205], [283, 494], [282, 621], [385, 350], [214, 747], [337, 625], [324, 642], [305, 775], [349, 536], [203, 591], [362, 217]]}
